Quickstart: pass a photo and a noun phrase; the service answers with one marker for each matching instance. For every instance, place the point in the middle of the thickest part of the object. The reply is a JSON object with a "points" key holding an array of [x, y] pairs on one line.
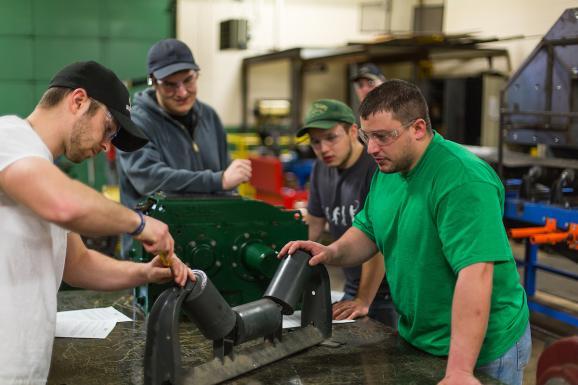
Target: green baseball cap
{"points": [[325, 114]]}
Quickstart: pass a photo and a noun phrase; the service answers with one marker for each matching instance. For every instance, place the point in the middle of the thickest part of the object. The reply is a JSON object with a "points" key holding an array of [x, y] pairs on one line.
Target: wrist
{"points": [[363, 301], [139, 229]]}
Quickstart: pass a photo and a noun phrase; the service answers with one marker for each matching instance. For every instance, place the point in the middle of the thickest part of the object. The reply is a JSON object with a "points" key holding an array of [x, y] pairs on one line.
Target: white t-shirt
{"points": [[32, 254]]}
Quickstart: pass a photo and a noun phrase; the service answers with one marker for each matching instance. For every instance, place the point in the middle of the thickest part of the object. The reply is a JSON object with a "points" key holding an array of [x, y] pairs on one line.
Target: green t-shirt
{"points": [[442, 216]]}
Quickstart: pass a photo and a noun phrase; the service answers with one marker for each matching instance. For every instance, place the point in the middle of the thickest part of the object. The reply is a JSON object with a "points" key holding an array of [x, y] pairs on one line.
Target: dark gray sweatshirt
{"points": [[172, 161]]}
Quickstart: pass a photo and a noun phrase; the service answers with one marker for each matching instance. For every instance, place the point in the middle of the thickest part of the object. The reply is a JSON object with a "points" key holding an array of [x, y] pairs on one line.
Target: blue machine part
{"points": [[301, 168], [537, 212]]}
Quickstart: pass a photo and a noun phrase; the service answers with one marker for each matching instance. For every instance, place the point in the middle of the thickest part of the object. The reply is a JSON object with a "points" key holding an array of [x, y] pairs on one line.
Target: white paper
{"points": [[83, 328], [88, 323], [96, 314], [294, 320]]}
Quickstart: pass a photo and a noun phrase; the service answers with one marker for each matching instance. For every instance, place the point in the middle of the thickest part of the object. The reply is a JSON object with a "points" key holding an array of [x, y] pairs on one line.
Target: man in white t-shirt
{"points": [[85, 110]]}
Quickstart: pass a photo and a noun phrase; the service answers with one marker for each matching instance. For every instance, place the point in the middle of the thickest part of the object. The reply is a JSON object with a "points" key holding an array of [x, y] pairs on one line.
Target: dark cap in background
{"points": [[103, 85], [169, 56], [325, 114], [368, 71]]}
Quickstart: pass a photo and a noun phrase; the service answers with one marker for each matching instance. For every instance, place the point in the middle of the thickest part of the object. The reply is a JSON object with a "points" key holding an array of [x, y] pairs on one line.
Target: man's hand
{"points": [[155, 237], [319, 253], [239, 171], [459, 378], [350, 309], [157, 272]]}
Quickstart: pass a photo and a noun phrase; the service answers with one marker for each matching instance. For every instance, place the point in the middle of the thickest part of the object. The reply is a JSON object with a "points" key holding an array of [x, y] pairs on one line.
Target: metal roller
{"points": [[260, 318], [291, 277], [207, 308]]}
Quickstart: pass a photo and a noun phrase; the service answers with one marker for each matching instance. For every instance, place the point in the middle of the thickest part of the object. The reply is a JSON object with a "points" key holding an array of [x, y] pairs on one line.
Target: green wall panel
{"points": [[53, 53], [38, 37], [17, 58], [127, 57], [17, 97], [131, 18], [68, 18], [16, 17]]}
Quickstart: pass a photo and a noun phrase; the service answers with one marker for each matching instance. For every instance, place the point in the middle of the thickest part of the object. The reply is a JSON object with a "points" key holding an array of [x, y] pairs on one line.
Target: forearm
{"points": [[352, 249], [96, 271], [93, 214], [64, 201], [148, 173], [372, 273], [164, 178], [470, 315], [316, 225]]}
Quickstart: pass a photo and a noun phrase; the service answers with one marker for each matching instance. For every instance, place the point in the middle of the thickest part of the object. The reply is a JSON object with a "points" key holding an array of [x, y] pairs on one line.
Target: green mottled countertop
{"points": [[369, 354]]}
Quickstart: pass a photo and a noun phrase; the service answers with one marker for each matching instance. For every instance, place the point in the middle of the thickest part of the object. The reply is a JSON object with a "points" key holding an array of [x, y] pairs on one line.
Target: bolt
{"points": [[213, 243], [193, 244], [312, 292], [234, 264], [218, 263], [235, 247], [246, 235]]}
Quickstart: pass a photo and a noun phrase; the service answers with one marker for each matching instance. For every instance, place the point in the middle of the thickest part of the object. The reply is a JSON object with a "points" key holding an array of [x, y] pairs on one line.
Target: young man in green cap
{"points": [[339, 183]]}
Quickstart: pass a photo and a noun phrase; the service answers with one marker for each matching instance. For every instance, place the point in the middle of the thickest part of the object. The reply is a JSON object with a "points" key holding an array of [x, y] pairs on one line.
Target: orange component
{"points": [[526, 232], [571, 236], [550, 238]]}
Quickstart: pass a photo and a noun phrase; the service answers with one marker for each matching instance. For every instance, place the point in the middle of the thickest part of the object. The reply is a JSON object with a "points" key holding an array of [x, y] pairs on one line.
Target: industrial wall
{"points": [[38, 37], [324, 23]]}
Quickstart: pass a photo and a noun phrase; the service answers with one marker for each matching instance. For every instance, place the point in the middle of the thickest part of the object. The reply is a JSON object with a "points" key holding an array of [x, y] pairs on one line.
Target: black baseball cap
{"points": [[169, 56], [103, 85], [368, 71]]}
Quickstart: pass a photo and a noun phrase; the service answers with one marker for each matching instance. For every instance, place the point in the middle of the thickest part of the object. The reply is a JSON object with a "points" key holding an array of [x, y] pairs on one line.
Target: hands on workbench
{"points": [[159, 272], [350, 309]]}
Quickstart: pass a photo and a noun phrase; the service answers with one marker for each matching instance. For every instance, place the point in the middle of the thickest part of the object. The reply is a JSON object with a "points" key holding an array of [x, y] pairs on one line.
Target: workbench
{"points": [[370, 353]]}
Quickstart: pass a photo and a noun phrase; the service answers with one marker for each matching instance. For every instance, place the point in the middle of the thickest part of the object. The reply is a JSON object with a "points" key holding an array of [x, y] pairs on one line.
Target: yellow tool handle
{"points": [[164, 259]]}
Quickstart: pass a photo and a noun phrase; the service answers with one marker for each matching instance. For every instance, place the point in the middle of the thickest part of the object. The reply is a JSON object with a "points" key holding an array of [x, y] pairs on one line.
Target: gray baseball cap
{"points": [[169, 56]]}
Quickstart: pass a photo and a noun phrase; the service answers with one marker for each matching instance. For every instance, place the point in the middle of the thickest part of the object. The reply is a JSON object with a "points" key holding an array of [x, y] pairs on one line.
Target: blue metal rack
{"points": [[536, 214]]}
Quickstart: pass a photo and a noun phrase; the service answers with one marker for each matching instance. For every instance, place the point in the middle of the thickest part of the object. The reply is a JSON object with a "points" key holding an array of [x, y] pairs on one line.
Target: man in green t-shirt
{"points": [[435, 213]]}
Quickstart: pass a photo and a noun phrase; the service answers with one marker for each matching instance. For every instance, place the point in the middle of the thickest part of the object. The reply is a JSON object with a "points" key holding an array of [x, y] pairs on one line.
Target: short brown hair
{"points": [[402, 99], [55, 95]]}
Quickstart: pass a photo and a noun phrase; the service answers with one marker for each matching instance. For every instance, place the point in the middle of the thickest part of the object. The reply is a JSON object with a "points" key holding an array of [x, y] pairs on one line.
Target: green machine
{"points": [[234, 240]]}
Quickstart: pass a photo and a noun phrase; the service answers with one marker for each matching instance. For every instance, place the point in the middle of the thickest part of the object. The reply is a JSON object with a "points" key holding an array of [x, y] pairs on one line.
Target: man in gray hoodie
{"points": [[187, 149]]}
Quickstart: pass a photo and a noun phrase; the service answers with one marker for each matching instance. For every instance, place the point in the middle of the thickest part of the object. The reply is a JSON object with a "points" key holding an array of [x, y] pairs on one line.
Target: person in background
{"points": [[85, 110], [367, 77], [340, 180], [435, 210], [187, 150]]}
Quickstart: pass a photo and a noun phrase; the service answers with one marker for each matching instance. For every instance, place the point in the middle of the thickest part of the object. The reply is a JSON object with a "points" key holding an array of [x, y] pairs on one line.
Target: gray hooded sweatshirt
{"points": [[172, 161]]}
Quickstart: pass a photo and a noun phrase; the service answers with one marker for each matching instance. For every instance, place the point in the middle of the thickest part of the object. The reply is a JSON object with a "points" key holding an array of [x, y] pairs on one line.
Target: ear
{"points": [[353, 131], [420, 129], [78, 101]]}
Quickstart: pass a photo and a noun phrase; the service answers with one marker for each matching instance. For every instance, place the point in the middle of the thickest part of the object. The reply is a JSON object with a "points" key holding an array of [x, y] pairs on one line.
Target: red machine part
{"points": [[267, 179], [558, 363]]}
